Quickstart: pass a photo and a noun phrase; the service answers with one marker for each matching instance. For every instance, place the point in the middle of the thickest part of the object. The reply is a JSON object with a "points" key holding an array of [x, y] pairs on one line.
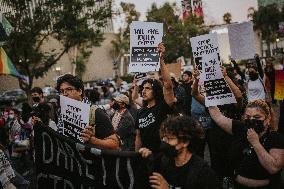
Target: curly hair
{"points": [[185, 129], [72, 80], [157, 90], [264, 107]]}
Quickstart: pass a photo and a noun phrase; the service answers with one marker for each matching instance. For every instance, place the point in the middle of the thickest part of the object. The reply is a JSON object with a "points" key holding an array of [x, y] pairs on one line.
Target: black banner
{"points": [[144, 54], [64, 163], [216, 87]]}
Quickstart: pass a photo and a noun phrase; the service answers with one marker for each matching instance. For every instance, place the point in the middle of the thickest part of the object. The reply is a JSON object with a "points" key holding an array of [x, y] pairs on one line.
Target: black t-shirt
{"points": [[250, 166], [103, 124], [195, 174], [148, 122]]}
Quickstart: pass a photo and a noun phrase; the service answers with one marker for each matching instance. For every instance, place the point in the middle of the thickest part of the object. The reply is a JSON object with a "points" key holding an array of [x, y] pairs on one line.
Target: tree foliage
{"points": [[176, 32], [71, 22], [266, 19]]}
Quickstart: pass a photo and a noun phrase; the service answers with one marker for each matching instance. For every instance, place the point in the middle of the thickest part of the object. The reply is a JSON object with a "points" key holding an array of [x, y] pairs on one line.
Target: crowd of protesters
{"points": [[165, 119]]}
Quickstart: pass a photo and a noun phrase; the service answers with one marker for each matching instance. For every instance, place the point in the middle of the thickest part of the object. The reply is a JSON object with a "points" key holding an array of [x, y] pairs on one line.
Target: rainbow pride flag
{"points": [[7, 67]]}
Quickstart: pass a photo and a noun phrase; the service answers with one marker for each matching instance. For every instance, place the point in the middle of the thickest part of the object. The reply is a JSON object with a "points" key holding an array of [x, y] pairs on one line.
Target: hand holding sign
{"points": [[87, 134]]}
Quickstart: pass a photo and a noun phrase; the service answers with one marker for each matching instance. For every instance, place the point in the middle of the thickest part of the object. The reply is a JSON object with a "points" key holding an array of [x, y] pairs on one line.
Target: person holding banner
{"points": [[260, 153], [179, 166], [101, 133], [158, 101]]}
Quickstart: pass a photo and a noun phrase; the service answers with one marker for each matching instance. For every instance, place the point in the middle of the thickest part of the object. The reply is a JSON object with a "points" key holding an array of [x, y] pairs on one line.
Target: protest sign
{"points": [[61, 162], [75, 117], [140, 77], [144, 40], [241, 38], [279, 85], [207, 59], [175, 68]]}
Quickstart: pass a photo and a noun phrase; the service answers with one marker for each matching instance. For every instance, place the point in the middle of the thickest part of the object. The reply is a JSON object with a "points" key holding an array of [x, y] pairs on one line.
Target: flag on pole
{"points": [[7, 67], [5, 28]]}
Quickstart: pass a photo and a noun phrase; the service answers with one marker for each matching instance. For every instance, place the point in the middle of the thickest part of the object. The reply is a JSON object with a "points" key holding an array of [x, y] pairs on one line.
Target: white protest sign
{"points": [[75, 117], [207, 58], [144, 40], [241, 37]]}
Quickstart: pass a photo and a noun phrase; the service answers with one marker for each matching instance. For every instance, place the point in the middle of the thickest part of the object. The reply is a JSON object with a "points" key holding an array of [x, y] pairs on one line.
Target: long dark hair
{"points": [[157, 90]]}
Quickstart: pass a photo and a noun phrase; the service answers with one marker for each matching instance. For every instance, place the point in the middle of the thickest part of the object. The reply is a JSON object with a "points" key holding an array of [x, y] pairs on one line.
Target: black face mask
{"points": [[255, 124], [169, 150], [36, 99], [115, 106], [253, 76]]}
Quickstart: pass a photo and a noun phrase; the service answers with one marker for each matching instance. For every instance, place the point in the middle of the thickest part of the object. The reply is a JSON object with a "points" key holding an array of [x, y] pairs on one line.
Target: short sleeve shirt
{"points": [[250, 166], [149, 121]]}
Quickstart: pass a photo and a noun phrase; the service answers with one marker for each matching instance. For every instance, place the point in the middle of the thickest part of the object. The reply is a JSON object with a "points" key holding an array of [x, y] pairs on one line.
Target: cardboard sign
{"points": [[75, 117], [144, 40], [207, 59], [242, 44], [61, 162]]}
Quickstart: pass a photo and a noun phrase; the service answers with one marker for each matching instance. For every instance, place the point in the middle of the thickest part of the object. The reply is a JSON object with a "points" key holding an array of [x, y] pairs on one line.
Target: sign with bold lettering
{"points": [[207, 59], [241, 37], [144, 40], [75, 117], [62, 162]]}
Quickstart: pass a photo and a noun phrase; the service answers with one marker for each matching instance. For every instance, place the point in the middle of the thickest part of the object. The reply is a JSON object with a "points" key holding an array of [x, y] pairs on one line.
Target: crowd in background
{"points": [[165, 115]]}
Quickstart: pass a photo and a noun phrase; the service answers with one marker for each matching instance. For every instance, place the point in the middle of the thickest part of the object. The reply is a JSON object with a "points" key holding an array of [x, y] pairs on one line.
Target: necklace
{"points": [[186, 158]]}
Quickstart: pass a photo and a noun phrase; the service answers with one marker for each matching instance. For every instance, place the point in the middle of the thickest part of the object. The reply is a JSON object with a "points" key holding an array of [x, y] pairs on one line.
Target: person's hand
{"points": [[161, 49], [87, 134], [252, 137], [224, 71], [35, 120], [145, 152], [196, 74], [157, 181]]}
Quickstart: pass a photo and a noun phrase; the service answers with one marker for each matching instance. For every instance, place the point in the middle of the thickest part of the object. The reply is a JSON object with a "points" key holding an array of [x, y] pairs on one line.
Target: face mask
{"points": [[10, 116], [253, 76], [169, 150], [115, 106], [36, 99], [255, 124]]}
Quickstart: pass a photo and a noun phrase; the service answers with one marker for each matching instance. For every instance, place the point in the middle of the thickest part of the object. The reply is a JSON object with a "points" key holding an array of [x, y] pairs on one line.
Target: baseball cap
{"points": [[122, 98]]}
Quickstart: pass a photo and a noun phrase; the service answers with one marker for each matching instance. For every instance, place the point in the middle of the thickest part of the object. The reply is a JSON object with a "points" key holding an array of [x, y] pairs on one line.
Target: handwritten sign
{"points": [[207, 59], [144, 40], [241, 37], [75, 117]]}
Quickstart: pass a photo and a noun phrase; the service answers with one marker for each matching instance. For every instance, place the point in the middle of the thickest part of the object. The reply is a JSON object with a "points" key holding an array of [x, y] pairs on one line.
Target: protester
{"points": [[255, 85], [180, 94], [261, 147], [100, 132], [179, 167], [269, 72], [186, 83], [123, 123], [219, 142], [156, 104], [38, 99]]}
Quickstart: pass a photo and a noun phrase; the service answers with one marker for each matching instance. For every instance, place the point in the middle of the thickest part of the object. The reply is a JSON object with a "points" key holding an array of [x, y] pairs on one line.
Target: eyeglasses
{"points": [[66, 91]]}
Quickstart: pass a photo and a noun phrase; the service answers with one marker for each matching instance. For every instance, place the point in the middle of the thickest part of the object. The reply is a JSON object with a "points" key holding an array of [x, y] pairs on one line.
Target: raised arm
{"points": [[167, 83], [237, 68], [221, 120], [135, 94], [235, 89], [195, 92]]}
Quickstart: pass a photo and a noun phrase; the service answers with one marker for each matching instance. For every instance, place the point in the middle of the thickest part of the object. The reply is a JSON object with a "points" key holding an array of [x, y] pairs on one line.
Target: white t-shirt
{"points": [[255, 90]]}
